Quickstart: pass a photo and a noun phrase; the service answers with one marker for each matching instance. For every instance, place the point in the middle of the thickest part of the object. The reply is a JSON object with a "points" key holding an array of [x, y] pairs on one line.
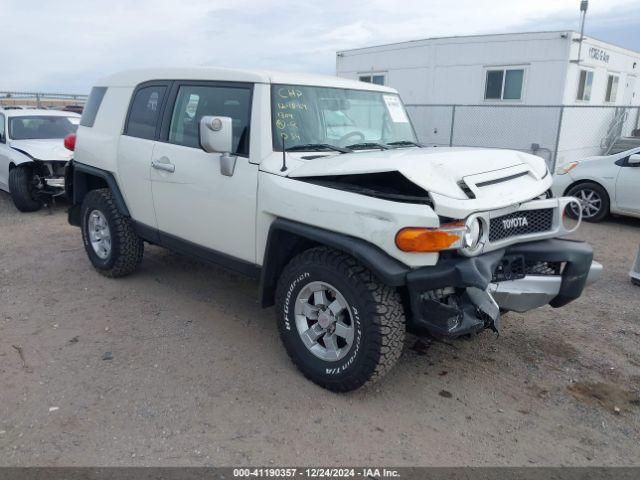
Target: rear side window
{"points": [[93, 104], [145, 112]]}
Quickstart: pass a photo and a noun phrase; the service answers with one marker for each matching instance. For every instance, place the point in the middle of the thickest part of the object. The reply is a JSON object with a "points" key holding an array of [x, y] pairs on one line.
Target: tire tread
{"points": [[386, 311], [129, 247], [19, 178]]}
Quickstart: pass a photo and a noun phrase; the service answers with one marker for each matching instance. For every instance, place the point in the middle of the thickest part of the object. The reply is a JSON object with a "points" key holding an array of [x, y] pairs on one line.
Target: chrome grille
{"points": [[511, 225]]}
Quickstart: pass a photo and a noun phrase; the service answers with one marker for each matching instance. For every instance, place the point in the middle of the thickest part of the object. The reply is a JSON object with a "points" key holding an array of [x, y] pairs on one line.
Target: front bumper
{"points": [[51, 187], [533, 291], [50, 178], [54, 182], [460, 295]]}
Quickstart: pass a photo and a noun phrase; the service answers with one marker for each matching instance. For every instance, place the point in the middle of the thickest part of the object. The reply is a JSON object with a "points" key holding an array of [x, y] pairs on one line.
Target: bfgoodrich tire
{"points": [[341, 327], [22, 190], [113, 246], [593, 199]]}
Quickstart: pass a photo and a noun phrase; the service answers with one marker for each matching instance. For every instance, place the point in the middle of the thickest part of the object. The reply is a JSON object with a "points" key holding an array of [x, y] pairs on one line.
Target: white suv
{"points": [[317, 187]]}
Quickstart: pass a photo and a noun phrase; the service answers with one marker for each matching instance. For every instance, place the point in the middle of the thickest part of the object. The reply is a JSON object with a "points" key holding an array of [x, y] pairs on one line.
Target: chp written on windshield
{"points": [[289, 104]]}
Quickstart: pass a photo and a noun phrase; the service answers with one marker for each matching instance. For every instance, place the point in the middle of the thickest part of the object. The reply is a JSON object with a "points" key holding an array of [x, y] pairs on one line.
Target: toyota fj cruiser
{"points": [[318, 187]]}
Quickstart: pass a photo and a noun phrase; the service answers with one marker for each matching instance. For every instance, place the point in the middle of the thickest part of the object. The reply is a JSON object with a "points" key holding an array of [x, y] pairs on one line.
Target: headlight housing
{"points": [[449, 236], [474, 233]]}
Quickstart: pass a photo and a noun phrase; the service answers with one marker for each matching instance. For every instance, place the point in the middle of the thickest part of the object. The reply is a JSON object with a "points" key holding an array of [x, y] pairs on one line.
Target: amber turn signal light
{"points": [[415, 239]]}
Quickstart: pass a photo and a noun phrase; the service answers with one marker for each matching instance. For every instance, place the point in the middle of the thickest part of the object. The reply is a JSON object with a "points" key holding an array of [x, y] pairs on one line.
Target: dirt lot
{"points": [[197, 375]]}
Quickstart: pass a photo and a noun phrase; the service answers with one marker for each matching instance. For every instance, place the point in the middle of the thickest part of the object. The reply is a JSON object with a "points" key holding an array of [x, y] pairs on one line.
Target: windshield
{"points": [[41, 127], [337, 117]]}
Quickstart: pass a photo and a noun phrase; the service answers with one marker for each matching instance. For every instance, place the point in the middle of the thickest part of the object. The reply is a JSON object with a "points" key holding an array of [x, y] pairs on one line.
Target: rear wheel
{"points": [[22, 189], [113, 246], [594, 202], [341, 327]]}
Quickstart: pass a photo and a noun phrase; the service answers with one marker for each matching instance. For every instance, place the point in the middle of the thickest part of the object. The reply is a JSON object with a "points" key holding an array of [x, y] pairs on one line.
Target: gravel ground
{"points": [[178, 365]]}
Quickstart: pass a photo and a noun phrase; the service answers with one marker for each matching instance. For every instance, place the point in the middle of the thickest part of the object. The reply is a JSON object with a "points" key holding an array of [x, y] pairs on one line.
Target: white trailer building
{"points": [[541, 91]]}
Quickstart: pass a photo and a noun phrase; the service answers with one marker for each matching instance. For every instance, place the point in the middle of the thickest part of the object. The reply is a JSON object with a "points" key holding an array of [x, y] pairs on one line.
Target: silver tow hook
{"points": [[486, 304]]}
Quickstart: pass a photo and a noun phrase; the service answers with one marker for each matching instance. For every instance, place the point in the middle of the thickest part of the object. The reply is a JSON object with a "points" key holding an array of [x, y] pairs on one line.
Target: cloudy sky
{"points": [[65, 45]]}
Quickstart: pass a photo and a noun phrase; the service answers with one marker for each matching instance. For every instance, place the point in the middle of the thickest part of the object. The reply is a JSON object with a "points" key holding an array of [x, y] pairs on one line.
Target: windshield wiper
{"points": [[403, 143], [367, 145], [316, 147]]}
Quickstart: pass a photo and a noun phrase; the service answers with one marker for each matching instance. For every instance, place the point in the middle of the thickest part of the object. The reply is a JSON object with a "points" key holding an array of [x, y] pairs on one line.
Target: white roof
{"points": [[482, 38], [131, 78], [39, 112]]}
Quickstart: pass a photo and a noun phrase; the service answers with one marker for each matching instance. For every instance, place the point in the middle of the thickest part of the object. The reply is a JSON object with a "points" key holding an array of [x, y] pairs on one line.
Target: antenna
{"points": [[584, 5], [284, 156]]}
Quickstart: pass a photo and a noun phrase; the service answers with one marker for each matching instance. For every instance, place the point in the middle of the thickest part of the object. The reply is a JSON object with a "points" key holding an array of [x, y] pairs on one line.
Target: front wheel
{"points": [[113, 246], [594, 202], [341, 327], [22, 189]]}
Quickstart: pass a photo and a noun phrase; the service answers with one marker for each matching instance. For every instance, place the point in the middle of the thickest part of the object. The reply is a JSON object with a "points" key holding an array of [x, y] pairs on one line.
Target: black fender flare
{"points": [[81, 186], [287, 238], [81, 178]]}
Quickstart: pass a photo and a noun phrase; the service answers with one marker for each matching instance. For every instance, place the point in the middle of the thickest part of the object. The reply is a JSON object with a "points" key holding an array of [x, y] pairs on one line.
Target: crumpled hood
{"points": [[437, 170], [48, 149]]}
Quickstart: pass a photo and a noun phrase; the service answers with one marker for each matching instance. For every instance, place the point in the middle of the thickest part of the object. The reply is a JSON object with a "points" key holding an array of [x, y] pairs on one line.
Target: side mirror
{"points": [[634, 159], [216, 136]]}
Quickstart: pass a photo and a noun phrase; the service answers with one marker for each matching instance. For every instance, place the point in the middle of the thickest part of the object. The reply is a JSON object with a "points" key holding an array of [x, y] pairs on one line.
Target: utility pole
{"points": [[584, 5]]}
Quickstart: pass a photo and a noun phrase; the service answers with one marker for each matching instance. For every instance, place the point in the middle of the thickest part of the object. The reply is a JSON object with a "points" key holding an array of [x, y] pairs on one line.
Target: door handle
{"points": [[163, 164]]}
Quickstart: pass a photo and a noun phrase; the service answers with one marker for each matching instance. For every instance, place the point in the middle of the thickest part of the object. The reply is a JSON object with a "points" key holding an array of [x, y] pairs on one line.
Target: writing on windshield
{"points": [[307, 115]]}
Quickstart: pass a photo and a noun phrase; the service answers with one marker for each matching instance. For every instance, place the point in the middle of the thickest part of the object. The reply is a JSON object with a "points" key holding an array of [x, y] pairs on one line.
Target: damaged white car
{"points": [[33, 155], [318, 187]]}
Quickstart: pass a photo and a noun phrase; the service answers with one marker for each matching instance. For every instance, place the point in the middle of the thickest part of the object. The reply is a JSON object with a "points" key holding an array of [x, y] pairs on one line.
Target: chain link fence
{"points": [[557, 133]]}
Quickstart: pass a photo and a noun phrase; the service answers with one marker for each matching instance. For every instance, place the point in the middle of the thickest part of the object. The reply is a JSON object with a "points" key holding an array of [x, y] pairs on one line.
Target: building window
{"points": [[504, 84], [377, 78], [584, 85], [612, 88]]}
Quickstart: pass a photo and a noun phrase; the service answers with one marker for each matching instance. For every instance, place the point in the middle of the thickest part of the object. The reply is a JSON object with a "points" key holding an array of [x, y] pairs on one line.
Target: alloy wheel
{"points": [[99, 234], [590, 203], [324, 321]]}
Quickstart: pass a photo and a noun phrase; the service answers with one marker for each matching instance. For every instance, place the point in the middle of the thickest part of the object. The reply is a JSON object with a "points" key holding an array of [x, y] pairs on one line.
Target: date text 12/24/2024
{"points": [[316, 472]]}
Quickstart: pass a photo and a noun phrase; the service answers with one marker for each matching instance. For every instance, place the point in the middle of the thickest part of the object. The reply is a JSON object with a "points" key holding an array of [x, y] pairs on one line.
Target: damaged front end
{"points": [[462, 296], [48, 178]]}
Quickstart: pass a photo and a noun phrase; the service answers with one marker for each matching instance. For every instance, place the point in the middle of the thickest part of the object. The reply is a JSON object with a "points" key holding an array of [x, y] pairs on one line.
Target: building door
{"points": [[629, 92]]}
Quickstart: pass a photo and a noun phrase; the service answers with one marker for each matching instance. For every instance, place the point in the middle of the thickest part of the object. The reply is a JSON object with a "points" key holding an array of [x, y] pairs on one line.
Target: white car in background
{"points": [[603, 184], [33, 155]]}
